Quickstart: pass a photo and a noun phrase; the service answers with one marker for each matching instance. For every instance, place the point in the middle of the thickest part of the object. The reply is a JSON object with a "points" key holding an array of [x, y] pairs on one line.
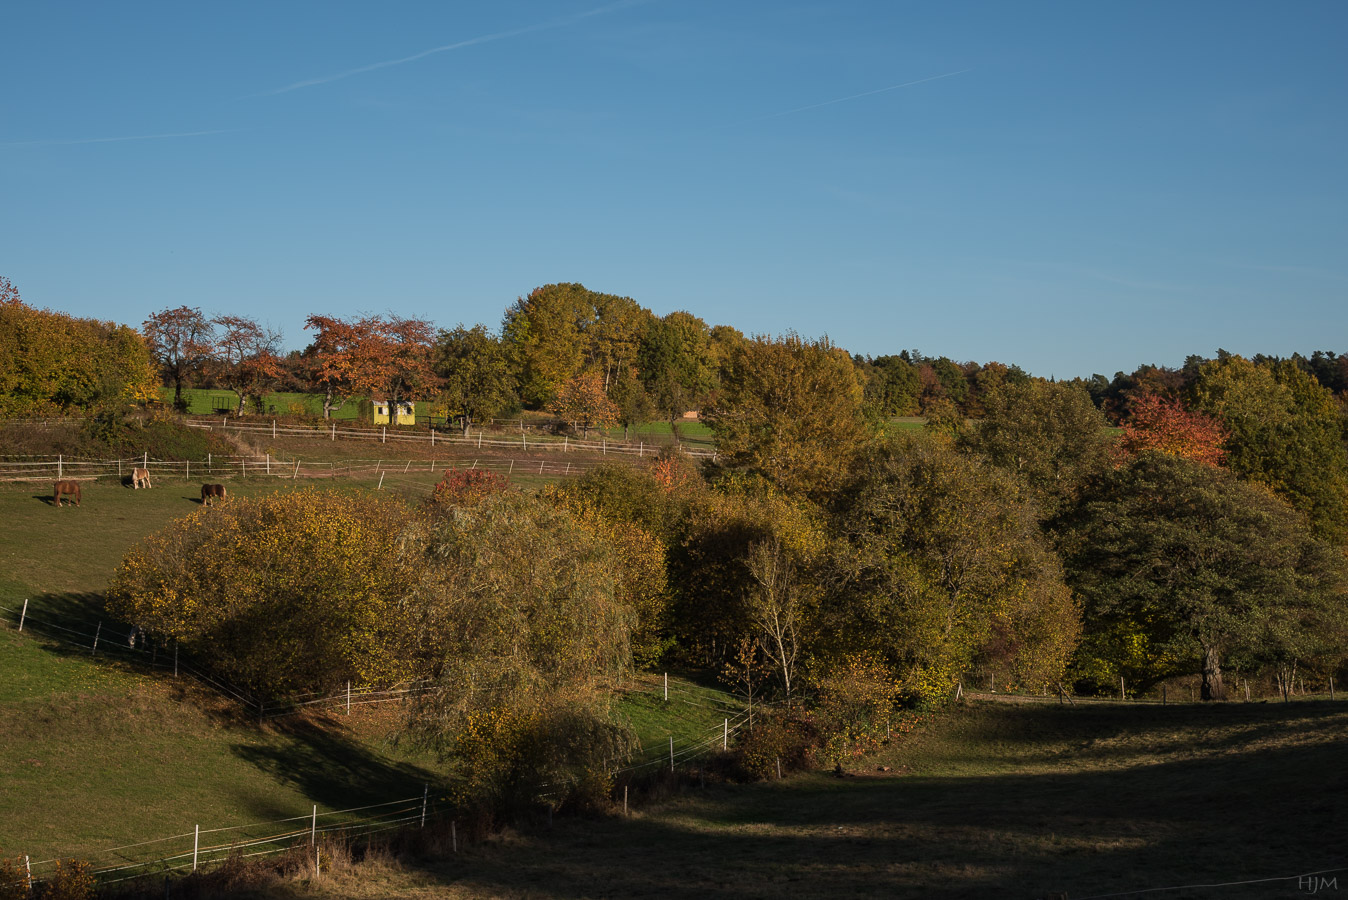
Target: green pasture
{"points": [[95, 753]]}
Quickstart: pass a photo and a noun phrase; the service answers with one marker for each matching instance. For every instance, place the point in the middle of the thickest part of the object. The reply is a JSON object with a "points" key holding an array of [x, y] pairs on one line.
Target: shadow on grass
{"points": [[316, 758], [1225, 813]]}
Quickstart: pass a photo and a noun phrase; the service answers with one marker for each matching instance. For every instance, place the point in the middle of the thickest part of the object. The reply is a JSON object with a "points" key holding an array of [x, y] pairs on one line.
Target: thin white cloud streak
{"points": [[457, 45], [114, 140], [892, 87]]}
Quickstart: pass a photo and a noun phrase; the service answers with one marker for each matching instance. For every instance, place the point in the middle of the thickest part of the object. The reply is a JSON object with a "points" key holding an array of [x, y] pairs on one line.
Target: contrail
{"points": [[892, 87], [457, 45], [112, 140]]}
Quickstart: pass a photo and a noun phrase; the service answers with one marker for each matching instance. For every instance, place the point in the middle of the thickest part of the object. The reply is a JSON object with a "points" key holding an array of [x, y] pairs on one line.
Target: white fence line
{"points": [[432, 437], [229, 468]]}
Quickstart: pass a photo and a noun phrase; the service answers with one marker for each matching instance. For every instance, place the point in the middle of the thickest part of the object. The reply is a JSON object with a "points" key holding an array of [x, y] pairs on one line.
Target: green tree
{"points": [[1286, 431], [790, 409], [675, 363], [1049, 434], [474, 370], [893, 386], [938, 557], [1181, 565]]}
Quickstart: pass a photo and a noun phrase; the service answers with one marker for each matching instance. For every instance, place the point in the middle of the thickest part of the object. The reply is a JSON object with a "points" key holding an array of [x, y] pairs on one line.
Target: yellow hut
{"points": [[406, 415]]}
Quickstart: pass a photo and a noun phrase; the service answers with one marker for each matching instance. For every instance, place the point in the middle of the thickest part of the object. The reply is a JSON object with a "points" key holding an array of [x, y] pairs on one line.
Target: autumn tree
{"points": [[247, 356], [790, 409], [475, 375], [396, 359], [519, 623], [582, 402], [1165, 426], [338, 361], [181, 340], [51, 362], [1182, 564], [9, 294], [290, 592]]}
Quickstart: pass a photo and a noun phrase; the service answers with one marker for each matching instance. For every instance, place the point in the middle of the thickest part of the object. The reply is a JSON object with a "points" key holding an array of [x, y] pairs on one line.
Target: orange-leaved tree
{"points": [[247, 356], [583, 403], [181, 340], [1163, 425]]}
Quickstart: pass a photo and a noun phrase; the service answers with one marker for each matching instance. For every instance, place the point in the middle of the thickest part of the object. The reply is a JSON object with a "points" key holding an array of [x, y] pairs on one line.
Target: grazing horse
{"points": [[60, 488], [139, 477], [211, 490]]}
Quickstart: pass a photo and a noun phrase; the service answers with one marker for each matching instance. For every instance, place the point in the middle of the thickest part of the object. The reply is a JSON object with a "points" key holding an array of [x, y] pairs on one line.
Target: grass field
{"points": [[993, 800], [94, 754]]}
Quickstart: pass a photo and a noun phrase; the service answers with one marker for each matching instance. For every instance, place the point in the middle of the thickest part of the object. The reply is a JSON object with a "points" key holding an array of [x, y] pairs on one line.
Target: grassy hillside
{"points": [[94, 754]]}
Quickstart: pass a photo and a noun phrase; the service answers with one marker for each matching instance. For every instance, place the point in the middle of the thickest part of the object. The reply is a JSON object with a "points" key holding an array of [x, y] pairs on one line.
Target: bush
{"points": [[294, 591], [788, 737]]}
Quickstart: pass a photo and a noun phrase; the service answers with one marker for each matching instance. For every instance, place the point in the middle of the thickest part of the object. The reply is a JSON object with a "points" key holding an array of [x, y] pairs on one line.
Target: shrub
{"points": [[788, 737], [294, 591]]}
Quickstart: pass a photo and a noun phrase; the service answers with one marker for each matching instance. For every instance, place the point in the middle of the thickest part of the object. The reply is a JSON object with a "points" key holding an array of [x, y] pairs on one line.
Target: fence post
{"points": [[383, 439], [381, 482], [540, 467], [512, 468], [189, 470], [175, 659], [432, 435], [97, 632], [1122, 693], [313, 828], [296, 473], [269, 462], [196, 842], [273, 428], [23, 614], [145, 460], [725, 735], [666, 687], [348, 698], [624, 799], [671, 754], [641, 448], [60, 468], [425, 796], [1331, 680], [1163, 695], [208, 463], [119, 470], [334, 430], [28, 868], [779, 768], [454, 835]]}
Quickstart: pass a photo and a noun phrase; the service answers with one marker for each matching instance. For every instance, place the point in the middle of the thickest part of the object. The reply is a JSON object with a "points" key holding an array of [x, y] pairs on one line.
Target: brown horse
{"points": [[60, 488], [209, 491], [139, 477]]}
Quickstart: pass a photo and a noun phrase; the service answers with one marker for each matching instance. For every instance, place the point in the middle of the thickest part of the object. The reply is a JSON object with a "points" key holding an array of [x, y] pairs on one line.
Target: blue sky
{"points": [[1073, 187]]}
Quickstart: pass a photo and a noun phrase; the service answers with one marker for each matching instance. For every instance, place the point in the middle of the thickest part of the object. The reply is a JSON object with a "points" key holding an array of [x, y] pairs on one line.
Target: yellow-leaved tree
{"points": [[291, 592]]}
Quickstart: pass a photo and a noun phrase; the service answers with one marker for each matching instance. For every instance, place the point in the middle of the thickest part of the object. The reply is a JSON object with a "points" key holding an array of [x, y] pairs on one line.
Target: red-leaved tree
{"points": [[1164, 425]]}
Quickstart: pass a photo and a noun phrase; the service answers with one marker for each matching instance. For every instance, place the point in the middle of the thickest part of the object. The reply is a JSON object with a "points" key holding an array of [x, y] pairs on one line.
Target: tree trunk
{"points": [[1213, 687], [467, 424]]}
